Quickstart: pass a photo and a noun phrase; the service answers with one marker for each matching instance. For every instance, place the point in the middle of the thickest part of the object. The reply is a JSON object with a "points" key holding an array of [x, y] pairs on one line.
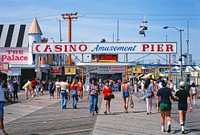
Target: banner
{"points": [[70, 70], [107, 48], [56, 70], [104, 58], [16, 55]]}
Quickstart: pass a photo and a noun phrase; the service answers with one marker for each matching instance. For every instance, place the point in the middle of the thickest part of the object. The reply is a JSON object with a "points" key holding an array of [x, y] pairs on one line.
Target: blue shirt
{"points": [[164, 94]]}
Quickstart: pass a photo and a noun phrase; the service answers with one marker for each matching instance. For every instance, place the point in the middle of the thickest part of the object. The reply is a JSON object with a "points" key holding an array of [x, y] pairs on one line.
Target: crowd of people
{"points": [[162, 90], [165, 95]]}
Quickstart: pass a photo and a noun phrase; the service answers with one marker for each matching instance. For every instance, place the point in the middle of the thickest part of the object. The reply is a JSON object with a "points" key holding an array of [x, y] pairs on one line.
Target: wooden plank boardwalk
{"points": [[136, 122], [43, 116]]}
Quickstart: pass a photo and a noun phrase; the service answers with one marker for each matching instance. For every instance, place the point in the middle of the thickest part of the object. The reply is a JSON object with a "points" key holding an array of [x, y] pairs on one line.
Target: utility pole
{"points": [[69, 17]]}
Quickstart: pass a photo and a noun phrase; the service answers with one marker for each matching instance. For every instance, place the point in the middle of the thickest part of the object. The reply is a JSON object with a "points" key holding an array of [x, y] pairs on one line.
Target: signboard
{"points": [[105, 58], [57, 70], [99, 48], [103, 69], [107, 69], [117, 69], [16, 55], [16, 71], [4, 66], [136, 69], [70, 70]]}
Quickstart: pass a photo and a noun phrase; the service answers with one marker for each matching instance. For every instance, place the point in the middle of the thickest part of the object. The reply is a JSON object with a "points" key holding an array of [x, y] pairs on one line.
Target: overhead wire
{"points": [[113, 16]]}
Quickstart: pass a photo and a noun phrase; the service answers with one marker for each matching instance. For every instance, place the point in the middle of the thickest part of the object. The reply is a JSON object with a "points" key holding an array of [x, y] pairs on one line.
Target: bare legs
{"points": [[182, 118], [107, 106], [149, 105], [167, 114], [126, 101]]}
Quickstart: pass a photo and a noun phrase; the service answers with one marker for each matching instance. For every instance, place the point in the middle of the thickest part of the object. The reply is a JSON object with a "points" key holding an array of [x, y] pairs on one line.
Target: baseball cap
{"points": [[163, 83]]}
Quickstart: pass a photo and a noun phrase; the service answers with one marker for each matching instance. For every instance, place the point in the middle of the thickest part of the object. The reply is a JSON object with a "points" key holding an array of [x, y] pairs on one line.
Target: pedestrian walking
{"points": [[33, 85], [74, 94], [125, 90], [9, 90], [183, 98], [68, 89], [51, 88], [149, 93], [107, 97], [119, 85], [100, 86], [2, 100], [135, 85], [80, 90], [193, 92], [57, 84], [63, 93], [93, 96], [15, 88], [163, 100]]}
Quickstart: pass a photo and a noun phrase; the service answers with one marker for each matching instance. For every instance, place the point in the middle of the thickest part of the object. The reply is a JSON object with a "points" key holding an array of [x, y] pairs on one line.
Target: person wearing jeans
{"points": [[74, 94], [93, 95], [63, 94], [2, 99]]}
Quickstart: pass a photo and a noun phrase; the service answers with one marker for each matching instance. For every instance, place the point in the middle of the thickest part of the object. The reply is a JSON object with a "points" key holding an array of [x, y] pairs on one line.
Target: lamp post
{"points": [[180, 59]]}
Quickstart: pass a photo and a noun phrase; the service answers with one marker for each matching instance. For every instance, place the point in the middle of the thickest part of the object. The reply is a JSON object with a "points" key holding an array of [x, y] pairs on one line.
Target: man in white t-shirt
{"points": [[2, 99]]}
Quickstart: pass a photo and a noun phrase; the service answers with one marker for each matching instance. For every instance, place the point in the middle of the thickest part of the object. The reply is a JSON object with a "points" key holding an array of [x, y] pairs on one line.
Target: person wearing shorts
{"points": [[183, 97], [125, 89], [193, 91], [107, 98], [57, 84], [163, 100]]}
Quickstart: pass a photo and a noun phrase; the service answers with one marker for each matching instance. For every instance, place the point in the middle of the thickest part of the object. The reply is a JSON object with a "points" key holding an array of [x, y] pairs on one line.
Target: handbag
{"points": [[131, 102], [112, 96]]}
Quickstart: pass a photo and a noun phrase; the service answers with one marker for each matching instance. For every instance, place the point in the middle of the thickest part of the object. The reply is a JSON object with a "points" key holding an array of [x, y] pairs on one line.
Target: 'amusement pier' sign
{"points": [[98, 48]]}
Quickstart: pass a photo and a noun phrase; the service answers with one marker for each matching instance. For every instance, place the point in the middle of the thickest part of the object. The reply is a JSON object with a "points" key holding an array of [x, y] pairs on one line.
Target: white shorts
{"points": [[26, 89]]}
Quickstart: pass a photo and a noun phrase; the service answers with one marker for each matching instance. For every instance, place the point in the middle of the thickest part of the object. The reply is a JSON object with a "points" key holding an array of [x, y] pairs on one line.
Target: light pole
{"points": [[60, 40], [180, 59]]}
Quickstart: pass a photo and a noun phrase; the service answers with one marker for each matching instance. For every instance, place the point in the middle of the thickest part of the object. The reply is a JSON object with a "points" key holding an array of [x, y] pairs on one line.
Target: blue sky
{"points": [[98, 19]]}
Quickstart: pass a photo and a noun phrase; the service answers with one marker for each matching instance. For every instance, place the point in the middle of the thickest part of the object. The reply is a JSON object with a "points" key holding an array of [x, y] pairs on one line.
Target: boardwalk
{"points": [[136, 122], [43, 116]]}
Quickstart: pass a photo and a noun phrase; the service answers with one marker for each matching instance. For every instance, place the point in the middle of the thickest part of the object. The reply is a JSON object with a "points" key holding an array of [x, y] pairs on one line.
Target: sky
{"points": [[97, 20]]}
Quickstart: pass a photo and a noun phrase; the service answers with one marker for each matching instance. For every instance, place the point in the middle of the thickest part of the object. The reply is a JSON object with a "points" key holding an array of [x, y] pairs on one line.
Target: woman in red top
{"points": [[74, 94], [107, 98], [80, 89]]}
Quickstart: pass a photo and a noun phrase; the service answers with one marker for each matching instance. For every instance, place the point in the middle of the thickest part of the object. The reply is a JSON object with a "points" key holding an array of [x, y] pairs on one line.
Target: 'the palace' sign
{"points": [[97, 48], [15, 55]]}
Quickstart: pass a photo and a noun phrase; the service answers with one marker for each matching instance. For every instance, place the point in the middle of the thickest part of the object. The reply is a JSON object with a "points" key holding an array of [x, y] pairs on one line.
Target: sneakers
{"points": [[162, 129], [183, 132], [105, 112], [169, 128]]}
